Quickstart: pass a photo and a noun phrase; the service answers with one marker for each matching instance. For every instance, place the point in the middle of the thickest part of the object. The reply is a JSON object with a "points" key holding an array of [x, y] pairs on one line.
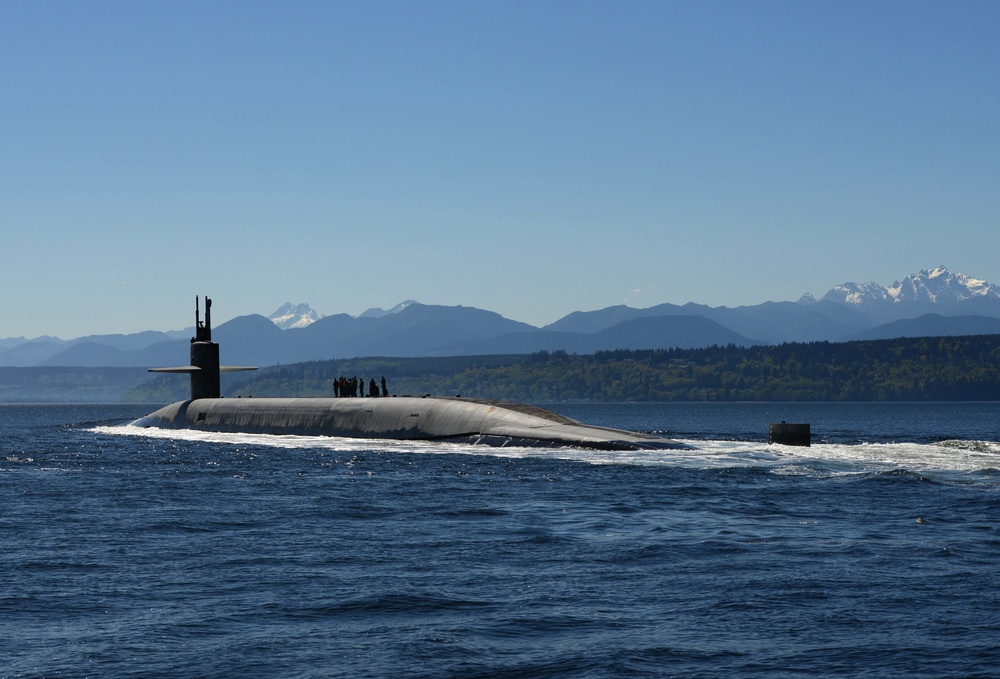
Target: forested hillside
{"points": [[944, 368]]}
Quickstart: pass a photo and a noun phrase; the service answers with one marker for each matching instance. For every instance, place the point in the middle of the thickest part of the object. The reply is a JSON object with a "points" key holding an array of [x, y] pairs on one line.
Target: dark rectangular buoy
{"points": [[789, 434]]}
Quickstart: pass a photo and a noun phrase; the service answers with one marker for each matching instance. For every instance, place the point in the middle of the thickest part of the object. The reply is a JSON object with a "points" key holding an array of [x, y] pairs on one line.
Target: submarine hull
{"points": [[459, 420]]}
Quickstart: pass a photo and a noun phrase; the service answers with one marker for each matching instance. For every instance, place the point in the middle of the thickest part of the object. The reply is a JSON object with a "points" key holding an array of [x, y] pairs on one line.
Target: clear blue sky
{"points": [[531, 158]]}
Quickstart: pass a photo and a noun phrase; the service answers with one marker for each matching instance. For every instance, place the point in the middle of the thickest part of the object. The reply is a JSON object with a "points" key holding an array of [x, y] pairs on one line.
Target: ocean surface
{"points": [[873, 553]]}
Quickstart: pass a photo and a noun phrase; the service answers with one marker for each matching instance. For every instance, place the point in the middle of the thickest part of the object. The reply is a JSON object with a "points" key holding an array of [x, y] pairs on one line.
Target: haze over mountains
{"points": [[929, 303]]}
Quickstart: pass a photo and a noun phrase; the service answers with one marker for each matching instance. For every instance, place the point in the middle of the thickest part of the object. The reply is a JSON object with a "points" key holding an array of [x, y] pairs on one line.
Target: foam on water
{"points": [[954, 456]]}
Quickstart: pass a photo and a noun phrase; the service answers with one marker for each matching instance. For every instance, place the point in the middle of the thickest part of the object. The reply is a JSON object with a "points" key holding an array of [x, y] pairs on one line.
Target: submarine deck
{"points": [[460, 420]]}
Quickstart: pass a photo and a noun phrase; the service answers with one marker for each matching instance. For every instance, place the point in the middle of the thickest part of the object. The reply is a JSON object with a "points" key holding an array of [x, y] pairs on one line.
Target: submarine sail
{"points": [[204, 368]]}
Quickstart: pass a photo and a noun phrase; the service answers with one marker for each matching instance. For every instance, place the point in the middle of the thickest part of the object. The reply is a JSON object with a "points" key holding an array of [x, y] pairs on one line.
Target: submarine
{"points": [[415, 418]]}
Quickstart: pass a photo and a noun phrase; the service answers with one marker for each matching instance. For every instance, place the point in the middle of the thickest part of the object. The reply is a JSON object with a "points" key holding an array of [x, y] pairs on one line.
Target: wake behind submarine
{"points": [[456, 420]]}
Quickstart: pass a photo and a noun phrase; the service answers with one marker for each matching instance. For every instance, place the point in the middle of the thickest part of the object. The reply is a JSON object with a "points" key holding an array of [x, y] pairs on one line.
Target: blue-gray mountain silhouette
{"points": [[933, 302]]}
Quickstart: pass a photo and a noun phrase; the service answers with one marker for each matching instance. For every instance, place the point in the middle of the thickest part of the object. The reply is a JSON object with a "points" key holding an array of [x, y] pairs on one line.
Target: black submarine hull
{"points": [[458, 420]]}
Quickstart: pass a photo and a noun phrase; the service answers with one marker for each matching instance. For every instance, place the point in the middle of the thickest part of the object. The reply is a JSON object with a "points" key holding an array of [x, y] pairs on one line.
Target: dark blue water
{"points": [[873, 553]]}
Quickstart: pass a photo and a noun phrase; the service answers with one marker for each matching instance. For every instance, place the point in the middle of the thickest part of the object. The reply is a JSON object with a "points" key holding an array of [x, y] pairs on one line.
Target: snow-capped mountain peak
{"points": [[855, 293], [938, 285], [294, 316]]}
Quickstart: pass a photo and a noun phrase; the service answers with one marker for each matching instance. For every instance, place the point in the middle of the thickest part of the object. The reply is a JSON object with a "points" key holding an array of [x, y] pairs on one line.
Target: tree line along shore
{"points": [[965, 368]]}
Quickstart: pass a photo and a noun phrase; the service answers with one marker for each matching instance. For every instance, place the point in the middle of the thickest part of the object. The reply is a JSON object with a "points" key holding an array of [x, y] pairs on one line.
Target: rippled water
{"points": [[872, 553]]}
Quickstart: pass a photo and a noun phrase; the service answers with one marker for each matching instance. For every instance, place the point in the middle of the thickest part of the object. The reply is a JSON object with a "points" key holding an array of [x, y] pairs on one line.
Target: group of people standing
{"points": [[355, 386]]}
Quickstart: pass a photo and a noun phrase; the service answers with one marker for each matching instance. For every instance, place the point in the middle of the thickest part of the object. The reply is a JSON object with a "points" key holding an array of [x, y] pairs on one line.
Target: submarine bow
{"points": [[460, 420]]}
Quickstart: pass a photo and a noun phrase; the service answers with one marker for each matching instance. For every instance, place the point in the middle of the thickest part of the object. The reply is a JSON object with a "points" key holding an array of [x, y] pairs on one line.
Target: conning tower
{"points": [[205, 382], [204, 368]]}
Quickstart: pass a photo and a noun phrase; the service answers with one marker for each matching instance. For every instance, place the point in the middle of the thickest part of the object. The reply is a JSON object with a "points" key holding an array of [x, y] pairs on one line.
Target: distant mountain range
{"points": [[929, 291], [929, 303]]}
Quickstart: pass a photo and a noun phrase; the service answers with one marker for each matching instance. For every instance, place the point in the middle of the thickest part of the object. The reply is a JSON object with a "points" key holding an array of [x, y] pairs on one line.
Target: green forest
{"points": [[913, 369]]}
